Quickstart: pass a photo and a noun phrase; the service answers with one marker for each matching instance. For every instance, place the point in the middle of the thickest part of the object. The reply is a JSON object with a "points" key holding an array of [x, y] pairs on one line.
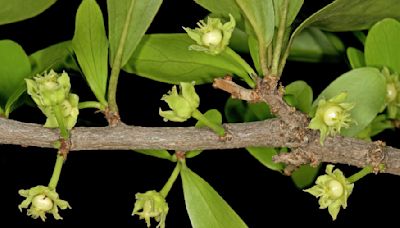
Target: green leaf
{"points": [[163, 154], [206, 208], [264, 155], [14, 68], [192, 153], [382, 47], [213, 115], [260, 16], [18, 10], [304, 176], [241, 111], [254, 53], [356, 58], [91, 47], [302, 94], [292, 11], [58, 57], [366, 89], [167, 58], [221, 8], [345, 15], [235, 110], [314, 45], [128, 19]]}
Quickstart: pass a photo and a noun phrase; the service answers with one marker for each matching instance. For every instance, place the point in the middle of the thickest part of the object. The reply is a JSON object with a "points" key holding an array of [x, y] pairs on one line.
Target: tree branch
{"points": [[268, 133]]}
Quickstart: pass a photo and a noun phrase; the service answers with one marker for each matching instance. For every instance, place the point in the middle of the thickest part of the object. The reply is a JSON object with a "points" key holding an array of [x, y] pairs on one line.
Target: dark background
{"points": [[100, 185]]}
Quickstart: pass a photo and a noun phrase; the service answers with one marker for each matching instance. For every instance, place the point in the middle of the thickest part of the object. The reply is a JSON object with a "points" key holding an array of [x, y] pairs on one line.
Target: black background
{"points": [[100, 185]]}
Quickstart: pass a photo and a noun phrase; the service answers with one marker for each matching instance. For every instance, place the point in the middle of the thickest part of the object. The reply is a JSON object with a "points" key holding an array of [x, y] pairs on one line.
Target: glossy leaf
{"points": [[366, 89], [304, 176], [206, 208], [213, 115], [91, 47], [221, 8], [14, 68], [382, 47], [345, 15], [302, 95], [356, 58], [167, 58], [18, 10], [264, 156], [314, 45], [292, 11], [163, 154], [131, 17], [58, 57], [260, 16]]}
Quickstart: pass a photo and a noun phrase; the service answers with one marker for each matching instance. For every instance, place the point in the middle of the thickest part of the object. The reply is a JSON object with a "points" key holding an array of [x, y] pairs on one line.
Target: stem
{"points": [[60, 120], [56, 172], [360, 174], [91, 104], [279, 39], [244, 64], [262, 53], [117, 62], [269, 56], [171, 180], [215, 127]]}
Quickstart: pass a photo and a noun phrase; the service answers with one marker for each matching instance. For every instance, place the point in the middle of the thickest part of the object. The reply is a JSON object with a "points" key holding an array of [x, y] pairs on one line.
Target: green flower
{"points": [[333, 190], [392, 93], [42, 200], [151, 204], [211, 37], [331, 116], [49, 89], [182, 104], [70, 111]]}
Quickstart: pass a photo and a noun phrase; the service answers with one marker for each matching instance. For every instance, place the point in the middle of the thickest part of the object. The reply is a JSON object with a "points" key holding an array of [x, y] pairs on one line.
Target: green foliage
{"points": [[11, 11], [264, 156], [14, 68], [176, 63], [57, 57], [91, 47], [304, 176], [382, 46], [163, 154], [221, 8], [314, 45], [344, 15], [128, 19], [366, 89], [260, 19], [294, 7], [356, 57], [300, 95], [213, 115], [206, 208]]}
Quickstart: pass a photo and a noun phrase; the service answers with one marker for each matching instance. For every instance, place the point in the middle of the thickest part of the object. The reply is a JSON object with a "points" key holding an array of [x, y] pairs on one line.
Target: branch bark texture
{"points": [[268, 133]]}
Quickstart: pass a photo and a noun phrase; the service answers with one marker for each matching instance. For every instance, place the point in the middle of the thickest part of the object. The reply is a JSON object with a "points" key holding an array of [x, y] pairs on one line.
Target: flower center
{"points": [[214, 37], [335, 189], [331, 115], [391, 92], [42, 202]]}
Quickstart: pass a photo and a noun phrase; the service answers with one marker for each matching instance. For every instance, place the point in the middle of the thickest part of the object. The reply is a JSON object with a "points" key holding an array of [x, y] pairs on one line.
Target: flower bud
{"points": [[333, 190], [211, 37], [49, 89], [392, 93], [182, 104], [151, 204], [42, 200], [331, 116]]}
